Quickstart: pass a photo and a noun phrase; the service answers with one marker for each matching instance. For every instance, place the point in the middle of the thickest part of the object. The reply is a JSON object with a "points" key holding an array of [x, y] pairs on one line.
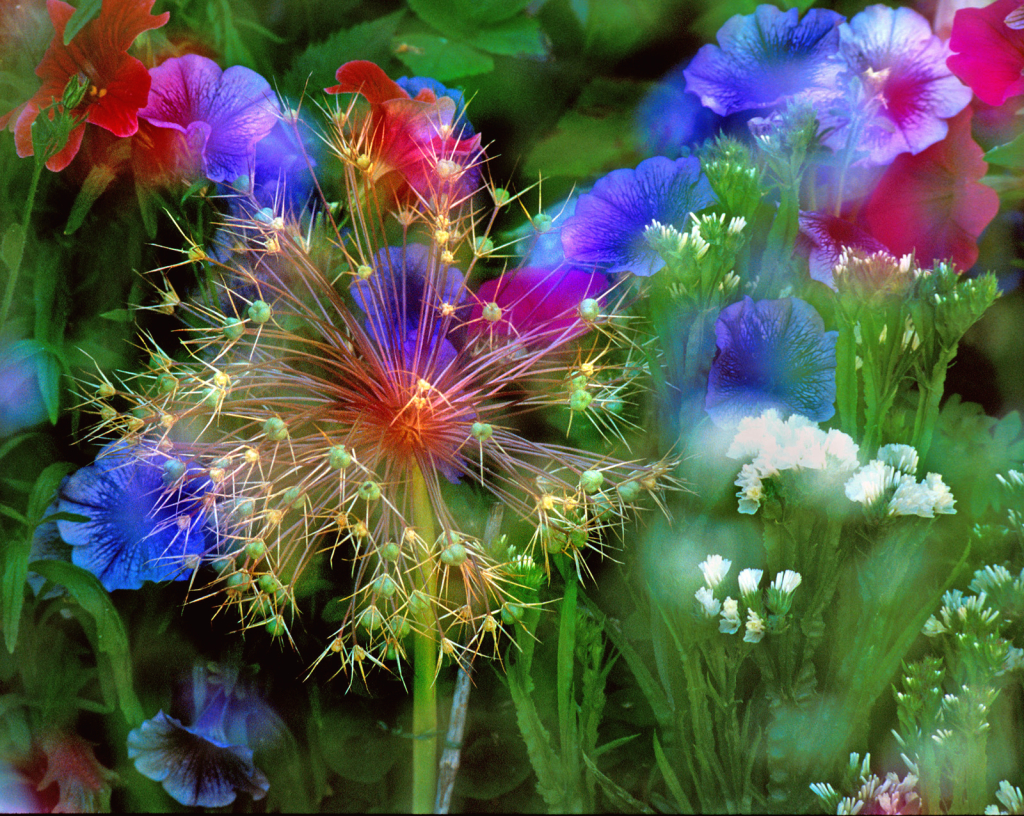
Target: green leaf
{"points": [[16, 554], [118, 315], [111, 637], [519, 37], [365, 41], [464, 16], [356, 749], [44, 491], [1010, 154], [671, 780], [83, 14], [95, 183], [12, 246], [440, 58]]}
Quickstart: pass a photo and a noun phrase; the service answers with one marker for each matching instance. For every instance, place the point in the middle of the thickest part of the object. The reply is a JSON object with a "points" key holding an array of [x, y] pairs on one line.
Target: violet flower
{"points": [[765, 58], [824, 237], [608, 228], [772, 354], [147, 518], [223, 114]]}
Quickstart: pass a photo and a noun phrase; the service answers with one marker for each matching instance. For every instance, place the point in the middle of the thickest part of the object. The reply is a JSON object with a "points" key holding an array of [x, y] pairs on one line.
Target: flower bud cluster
{"points": [[887, 486]]}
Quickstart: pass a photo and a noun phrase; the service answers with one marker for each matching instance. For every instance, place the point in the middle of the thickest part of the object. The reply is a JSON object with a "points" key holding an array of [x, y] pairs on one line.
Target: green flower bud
{"points": [[233, 329], [275, 429], [260, 312], [174, 469], [580, 400], [385, 585], [629, 491], [390, 552], [256, 549], [339, 458], [369, 491], [481, 431], [371, 619], [590, 309], [591, 481], [275, 626], [454, 554]]}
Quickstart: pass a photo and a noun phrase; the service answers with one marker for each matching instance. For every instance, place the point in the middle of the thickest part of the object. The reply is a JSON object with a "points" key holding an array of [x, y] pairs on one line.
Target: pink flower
{"points": [[989, 54], [932, 203]]}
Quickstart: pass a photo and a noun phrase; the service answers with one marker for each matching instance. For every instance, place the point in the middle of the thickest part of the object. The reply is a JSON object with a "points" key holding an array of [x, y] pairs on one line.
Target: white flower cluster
{"points": [[1009, 797], [890, 478], [775, 445], [891, 795], [780, 598]]}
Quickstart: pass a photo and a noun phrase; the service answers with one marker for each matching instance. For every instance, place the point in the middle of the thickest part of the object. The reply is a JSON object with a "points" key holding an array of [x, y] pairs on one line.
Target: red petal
{"points": [[932, 203], [368, 79]]}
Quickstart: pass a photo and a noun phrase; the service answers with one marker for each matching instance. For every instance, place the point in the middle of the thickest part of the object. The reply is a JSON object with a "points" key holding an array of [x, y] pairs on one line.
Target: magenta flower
{"points": [[766, 57], [906, 91], [223, 114], [772, 354], [824, 237], [989, 54], [536, 305], [608, 227]]}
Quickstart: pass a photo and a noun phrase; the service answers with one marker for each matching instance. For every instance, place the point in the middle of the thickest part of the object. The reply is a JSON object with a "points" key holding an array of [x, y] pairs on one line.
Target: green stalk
{"points": [[424, 692], [12, 281]]}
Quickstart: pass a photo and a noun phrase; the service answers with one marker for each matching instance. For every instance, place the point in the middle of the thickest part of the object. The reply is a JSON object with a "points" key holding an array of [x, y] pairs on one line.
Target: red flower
{"points": [[932, 203], [407, 139], [118, 83], [990, 54]]}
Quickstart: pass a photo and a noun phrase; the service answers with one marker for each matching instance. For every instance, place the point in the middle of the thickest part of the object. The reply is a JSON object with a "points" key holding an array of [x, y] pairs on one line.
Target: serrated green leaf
{"points": [[16, 554], [583, 146], [85, 12], [12, 246], [441, 58], [111, 637], [671, 780], [466, 16], [518, 37], [365, 41]]}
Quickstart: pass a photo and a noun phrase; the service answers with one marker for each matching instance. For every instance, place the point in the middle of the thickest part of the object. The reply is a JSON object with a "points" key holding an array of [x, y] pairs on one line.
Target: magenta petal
{"points": [[989, 54]]}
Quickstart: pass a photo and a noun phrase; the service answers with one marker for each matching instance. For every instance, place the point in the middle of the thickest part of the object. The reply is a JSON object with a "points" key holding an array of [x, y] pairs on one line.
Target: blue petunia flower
{"points": [[608, 228], [403, 299], [772, 354], [765, 58], [223, 114], [147, 518], [283, 170], [670, 118], [208, 763]]}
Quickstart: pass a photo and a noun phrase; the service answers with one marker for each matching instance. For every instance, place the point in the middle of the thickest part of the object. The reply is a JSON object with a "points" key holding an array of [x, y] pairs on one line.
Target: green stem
{"points": [[424, 700], [12, 281]]}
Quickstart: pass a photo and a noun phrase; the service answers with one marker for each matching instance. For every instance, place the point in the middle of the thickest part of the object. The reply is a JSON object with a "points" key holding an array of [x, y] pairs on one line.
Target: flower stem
{"points": [[12, 281], [424, 700]]}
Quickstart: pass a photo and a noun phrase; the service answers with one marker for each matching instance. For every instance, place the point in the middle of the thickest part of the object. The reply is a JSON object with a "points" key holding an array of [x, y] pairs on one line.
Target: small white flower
{"points": [[751, 489], [730, 622], [872, 482], [942, 498], [755, 627], [714, 568], [912, 499], [749, 580], [706, 598], [841, 450], [933, 627], [786, 581], [901, 457]]}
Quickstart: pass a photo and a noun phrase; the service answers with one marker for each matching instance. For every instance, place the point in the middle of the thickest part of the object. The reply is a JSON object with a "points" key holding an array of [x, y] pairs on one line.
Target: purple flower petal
{"points": [[906, 90], [825, 237], [608, 226], [772, 354], [223, 114], [766, 57], [138, 528], [196, 768]]}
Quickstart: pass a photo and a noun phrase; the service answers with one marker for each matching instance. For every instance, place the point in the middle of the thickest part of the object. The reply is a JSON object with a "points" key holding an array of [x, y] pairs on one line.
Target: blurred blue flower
{"points": [[772, 354], [766, 57], [223, 114], [208, 763], [283, 172], [414, 85], [147, 518], [26, 368], [608, 228], [671, 118], [401, 314]]}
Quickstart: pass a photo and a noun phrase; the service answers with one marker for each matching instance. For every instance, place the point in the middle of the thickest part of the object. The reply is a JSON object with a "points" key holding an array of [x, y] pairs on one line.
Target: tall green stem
{"points": [[424, 699], [12, 281]]}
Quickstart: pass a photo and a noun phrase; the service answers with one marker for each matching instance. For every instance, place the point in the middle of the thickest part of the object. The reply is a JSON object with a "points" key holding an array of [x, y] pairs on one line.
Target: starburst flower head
{"points": [[608, 228], [341, 380], [765, 58], [118, 84], [147, 516]]}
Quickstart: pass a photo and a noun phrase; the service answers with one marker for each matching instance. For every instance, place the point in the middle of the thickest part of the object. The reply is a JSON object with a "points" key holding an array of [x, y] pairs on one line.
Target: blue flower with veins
{"points": [[772, 354], [147, 516], [608, 229], [765, 58]]}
